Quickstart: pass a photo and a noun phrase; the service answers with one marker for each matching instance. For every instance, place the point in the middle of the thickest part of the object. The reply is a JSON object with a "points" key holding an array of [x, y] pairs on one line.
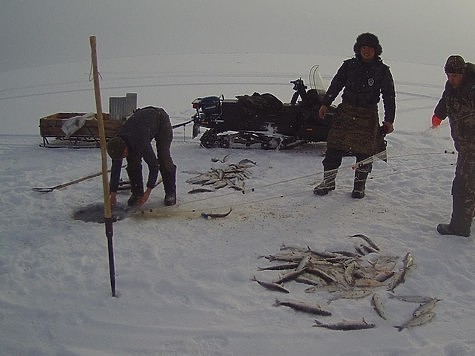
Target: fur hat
{"points": [[370, 40], [116, 147], [455, 64]]}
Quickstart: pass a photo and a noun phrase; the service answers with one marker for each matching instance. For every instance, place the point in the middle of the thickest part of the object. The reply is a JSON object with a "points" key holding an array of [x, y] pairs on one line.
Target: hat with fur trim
{"points": [[370, 40], [455, 64]]}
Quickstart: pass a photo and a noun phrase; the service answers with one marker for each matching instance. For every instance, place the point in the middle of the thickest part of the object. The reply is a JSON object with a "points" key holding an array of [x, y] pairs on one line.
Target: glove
{"points": [[435, 121]]}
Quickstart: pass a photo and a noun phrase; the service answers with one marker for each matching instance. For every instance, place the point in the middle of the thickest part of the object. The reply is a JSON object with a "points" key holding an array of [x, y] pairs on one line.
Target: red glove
{"points": [[436, 121]]}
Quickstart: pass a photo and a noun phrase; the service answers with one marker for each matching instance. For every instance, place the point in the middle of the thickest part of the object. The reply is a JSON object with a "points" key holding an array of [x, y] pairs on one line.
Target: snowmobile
{"points": [[262, 120]]}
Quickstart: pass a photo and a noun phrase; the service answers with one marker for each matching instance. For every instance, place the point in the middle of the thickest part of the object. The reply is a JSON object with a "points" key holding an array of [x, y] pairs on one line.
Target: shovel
{"points": [[59, 186]]}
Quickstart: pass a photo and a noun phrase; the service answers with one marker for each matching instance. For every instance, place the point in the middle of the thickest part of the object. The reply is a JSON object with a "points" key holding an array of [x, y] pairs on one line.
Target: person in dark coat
{"points": [[356, 130], [458, 104], [134, 142]]}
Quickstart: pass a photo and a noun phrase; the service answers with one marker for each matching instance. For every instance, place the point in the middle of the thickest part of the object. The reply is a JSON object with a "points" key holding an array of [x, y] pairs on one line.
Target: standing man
{"points": [[458, 103], [355, 129], [134, 143]]}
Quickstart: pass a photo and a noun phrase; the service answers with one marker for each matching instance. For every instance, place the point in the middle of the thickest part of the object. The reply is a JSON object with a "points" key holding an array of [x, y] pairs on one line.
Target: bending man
{"points": [[134, 143]]}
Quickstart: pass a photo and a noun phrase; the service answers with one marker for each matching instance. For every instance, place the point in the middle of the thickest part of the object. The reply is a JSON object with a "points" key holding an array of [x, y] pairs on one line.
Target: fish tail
{"points": [[317, 323]]}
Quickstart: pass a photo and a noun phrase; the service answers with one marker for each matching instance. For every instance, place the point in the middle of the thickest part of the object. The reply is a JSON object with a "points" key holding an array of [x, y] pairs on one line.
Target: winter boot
{"points": [[170, 199], [169, 183], [359, 184], [137, 193], [328, 183], [460, 222]]}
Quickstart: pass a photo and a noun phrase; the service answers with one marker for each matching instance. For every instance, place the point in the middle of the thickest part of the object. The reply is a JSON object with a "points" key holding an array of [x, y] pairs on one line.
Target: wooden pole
{"points": [[105, 180]]}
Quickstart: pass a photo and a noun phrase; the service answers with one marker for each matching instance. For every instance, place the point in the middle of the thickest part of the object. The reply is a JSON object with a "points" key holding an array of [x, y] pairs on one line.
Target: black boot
{"points": [[359, 184], [447, 229], [170, 198], [169, 183], [461, 219], [328, 183]]}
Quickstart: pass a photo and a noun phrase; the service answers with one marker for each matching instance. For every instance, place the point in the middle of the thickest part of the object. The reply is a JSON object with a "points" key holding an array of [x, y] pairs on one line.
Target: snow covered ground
{"points": [[183, 282]]}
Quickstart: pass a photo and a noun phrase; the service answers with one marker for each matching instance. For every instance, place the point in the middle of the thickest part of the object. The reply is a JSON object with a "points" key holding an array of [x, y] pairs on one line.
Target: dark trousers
{"points": [[333, 158]]}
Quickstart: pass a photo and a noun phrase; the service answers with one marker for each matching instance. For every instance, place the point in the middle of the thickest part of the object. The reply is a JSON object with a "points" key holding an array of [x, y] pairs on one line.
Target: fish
{"points": [[416, 321], [279, 267], [411, 298], [199, 190], [247, 162], [398, 278], [383, 276], [216, 215], [425, 308], [346, 325], [223, 160], [290, 276], [272, 286], [367, 283], [351, 294], [368, 240], [378, 306], [323, 275], [309, 281], [303, 263], [303, 307], [348, 273], [408, 261]]}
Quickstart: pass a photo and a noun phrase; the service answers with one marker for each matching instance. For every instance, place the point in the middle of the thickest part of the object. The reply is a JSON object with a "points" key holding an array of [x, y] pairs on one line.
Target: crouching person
{"points": [[458, 104], [134, 142]]}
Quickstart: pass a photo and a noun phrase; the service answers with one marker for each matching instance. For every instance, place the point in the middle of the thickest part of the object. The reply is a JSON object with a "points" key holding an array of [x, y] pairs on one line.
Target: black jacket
{"points": [[364, 83]]}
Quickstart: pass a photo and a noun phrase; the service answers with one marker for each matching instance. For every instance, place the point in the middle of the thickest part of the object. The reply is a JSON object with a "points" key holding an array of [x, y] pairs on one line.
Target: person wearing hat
{"points": [[355, 129], [458, 104], [134, 142]]}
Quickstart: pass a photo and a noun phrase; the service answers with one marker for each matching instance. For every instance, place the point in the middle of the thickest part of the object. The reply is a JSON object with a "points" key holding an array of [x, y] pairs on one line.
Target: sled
{"points": [[87, 135]]}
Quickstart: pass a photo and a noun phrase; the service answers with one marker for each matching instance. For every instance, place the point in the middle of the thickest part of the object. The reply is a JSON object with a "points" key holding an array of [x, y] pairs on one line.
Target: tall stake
{"points": [[105, 180]]}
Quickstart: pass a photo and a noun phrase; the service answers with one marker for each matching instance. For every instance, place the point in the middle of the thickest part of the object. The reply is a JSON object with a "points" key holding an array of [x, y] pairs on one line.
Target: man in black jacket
{"points": [[134, 143], [355, 129], [458, 103]]}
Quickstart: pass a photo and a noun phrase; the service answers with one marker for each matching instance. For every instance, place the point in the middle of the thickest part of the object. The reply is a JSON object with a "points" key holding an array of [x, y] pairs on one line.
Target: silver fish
{"points": [[351, 294], [346, 325], [290, 276], [408, 261], [247, 163], [368, 240], [399, 277], [216, 215], [224, 159], [303, 307], [272, 286], [348, 274], [377, 303], [367, 283], [411, 298], [384, 276], [200, 190], [303, 263], [416, 321], [323, 275], [425, 308], [279, 267]]}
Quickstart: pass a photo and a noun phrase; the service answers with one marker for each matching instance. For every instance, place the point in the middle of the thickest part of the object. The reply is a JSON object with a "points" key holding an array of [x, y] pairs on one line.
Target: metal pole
{"points": [[105, 180]]}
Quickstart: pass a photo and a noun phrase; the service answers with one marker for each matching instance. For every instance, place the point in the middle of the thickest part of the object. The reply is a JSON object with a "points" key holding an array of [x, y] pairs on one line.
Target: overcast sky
{"points": [[40, 32]]}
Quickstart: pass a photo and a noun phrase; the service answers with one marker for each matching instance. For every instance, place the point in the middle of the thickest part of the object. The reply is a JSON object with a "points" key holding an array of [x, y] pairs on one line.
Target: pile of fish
{"points": [[345, 274], [232, 175]]}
